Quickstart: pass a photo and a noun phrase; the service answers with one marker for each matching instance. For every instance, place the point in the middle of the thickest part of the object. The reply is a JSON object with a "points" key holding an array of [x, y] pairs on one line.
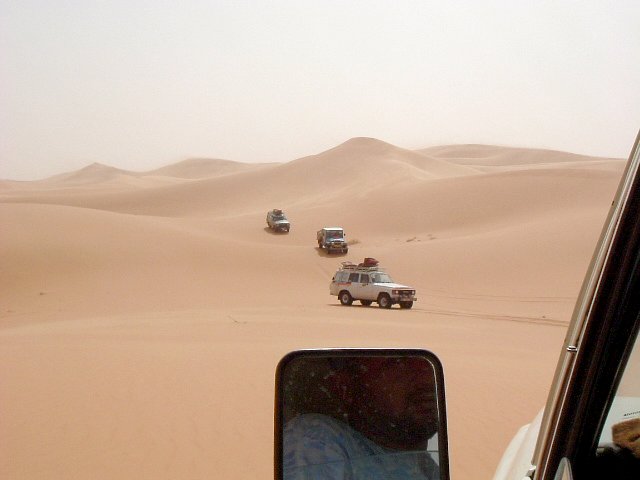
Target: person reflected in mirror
{"points": [[387, 415]]}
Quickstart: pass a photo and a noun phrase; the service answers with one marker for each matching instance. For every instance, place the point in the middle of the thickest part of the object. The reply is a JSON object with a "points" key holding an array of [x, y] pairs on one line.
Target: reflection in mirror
{"points": [[360, 414]]}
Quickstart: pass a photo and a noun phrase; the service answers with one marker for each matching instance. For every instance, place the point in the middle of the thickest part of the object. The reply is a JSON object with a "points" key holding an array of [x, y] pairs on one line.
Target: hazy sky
{"points": [[141, 84]]}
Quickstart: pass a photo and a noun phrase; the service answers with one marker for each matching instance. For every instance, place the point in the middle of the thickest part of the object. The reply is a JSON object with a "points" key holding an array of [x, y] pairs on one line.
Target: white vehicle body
{"points": [[369, 284], [332, 239], [516, 459], [277, 221]]}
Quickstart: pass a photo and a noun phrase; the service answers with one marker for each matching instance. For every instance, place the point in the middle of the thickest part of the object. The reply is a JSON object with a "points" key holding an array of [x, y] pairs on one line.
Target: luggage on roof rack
{"points": [[369, 264]]}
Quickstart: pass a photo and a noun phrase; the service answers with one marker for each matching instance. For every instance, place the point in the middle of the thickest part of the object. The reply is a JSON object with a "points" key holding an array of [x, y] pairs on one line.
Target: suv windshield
{"points": [[381, 278], [334, 234]]}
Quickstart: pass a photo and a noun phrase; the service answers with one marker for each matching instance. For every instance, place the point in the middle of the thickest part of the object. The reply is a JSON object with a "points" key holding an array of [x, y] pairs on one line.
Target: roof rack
{"points": [[362, 268]]}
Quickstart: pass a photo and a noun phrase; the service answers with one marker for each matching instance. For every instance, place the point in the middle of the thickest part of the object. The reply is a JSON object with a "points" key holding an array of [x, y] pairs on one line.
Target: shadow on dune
{"points": [[374, 306], [274, 232], [323, 253]]}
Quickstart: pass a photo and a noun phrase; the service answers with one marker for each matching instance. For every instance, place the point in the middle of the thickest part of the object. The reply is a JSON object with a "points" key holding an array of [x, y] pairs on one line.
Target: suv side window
{"points": [[364, 278], [354, 277]]}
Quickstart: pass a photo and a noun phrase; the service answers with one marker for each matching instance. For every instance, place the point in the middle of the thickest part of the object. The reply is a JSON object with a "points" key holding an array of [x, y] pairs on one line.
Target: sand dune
{"points": [[94, 173], [487, 155], [201, 168], [143, 313], [369, 158], [361, 162], [191, 168]]}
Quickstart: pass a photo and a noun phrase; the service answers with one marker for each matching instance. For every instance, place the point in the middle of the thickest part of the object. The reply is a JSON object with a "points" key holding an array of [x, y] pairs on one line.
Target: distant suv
{"points": [[332, 239], [369, 283], [277, 221]]}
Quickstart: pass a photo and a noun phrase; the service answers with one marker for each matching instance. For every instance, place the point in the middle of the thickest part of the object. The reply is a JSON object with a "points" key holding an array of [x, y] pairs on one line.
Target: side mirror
{"points": [[360, 414]]}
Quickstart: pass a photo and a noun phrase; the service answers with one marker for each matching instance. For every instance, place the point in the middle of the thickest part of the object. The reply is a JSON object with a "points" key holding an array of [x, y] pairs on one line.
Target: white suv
{"points": [[369, 284], [277, 221]]}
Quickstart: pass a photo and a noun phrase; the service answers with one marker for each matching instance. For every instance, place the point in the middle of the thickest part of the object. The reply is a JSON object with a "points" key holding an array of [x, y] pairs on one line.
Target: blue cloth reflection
{"points": [[320, 447]]}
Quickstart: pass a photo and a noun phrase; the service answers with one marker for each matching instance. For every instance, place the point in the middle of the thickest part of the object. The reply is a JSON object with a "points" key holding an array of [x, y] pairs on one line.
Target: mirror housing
{"points": [[360, 414]]}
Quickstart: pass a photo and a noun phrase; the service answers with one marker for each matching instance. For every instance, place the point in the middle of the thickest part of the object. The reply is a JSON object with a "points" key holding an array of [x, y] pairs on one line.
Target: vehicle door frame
{"points": [[599, 340]]}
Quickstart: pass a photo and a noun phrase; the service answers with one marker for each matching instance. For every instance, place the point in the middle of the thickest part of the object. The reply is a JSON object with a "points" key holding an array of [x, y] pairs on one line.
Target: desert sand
{"points": [[143, 313]]}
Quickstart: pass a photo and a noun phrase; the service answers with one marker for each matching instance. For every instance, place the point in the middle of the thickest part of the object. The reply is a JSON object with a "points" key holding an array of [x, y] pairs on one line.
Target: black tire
{"points": [[345, 298], [408, 304], [345, 250], [366, 303], [384, 300]]}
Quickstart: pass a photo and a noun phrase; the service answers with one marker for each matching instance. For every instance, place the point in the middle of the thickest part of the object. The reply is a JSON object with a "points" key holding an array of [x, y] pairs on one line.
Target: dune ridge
{"points": [[194, 168]]}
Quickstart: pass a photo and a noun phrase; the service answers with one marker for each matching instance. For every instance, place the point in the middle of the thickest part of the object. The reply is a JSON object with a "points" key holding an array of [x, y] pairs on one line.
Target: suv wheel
{"points": [[384, 300], [407, 304], [345, 298]]}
